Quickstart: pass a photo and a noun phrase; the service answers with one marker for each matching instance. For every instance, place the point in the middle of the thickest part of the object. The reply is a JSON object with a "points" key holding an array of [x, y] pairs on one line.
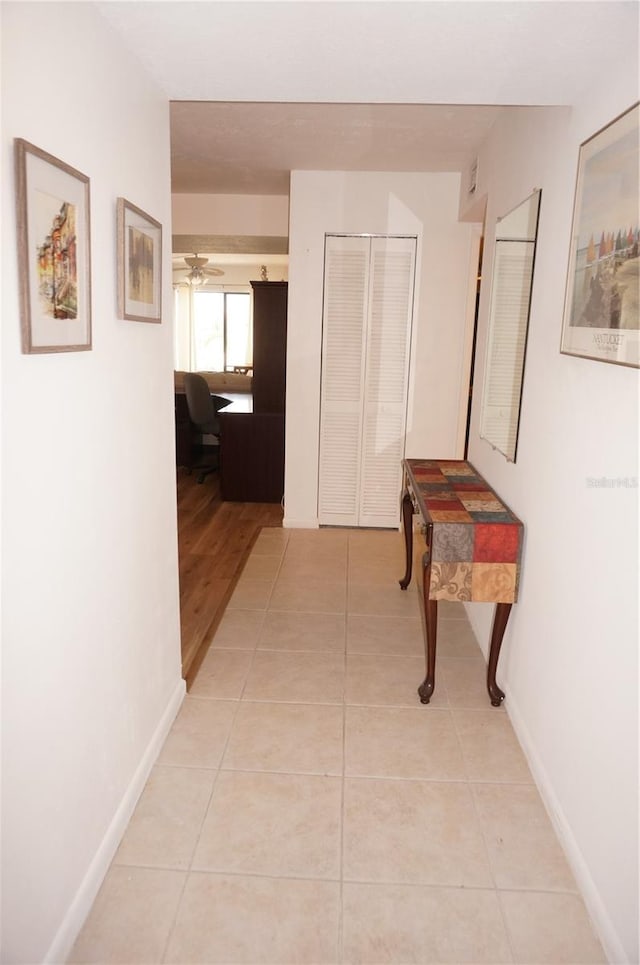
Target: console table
{"points": [[473, 551]]}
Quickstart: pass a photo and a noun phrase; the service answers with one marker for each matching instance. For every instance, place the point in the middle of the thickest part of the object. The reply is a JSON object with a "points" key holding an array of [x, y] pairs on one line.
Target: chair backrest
{"points": [[200, 404]]}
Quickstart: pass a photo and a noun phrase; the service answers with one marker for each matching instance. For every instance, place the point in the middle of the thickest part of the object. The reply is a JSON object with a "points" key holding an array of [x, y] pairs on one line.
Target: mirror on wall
{"points": [[512, 279]]}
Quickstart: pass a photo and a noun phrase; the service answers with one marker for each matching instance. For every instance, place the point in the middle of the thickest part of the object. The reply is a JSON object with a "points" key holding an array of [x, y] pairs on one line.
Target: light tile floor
{"points": [[306, 808]]}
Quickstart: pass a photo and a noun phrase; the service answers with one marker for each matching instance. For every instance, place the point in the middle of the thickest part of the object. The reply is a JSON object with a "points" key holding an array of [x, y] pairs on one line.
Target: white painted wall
{"points": [[230, 214], [570, 659], [91, 657], [425, 205]]}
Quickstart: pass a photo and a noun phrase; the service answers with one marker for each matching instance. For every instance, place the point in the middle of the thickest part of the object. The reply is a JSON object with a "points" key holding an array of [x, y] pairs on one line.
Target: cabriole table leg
{"points": [[407, 524], [426, 688], [500, 619]]}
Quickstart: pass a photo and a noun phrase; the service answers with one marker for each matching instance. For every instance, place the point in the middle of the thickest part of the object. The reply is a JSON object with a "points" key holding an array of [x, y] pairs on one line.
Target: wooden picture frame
{"points": [[139, 264], [601, 303], [54, 252]]}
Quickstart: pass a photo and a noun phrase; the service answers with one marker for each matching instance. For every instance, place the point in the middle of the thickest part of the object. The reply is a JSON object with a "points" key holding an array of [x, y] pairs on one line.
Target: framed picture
{"points": [[601, 305], [139, 264], [54, 252]]}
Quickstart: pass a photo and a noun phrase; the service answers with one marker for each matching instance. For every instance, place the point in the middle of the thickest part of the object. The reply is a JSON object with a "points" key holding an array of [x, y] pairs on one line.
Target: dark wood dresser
{"points": [[252, 443], [269, 345]]}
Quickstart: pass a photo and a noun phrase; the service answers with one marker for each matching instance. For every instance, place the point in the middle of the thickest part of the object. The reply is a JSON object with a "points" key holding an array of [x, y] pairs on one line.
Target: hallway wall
{"points": [[230, 214], [570, 659], [91, 657], [424, 205]]}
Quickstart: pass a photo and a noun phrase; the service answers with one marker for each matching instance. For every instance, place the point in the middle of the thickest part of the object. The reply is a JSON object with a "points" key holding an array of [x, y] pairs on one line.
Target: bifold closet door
{"points": [[344, 333], [390, 304], [368, 300]]}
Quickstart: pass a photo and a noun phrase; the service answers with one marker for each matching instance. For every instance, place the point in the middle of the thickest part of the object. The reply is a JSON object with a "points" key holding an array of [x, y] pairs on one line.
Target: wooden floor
{"points": [[214, 541]]}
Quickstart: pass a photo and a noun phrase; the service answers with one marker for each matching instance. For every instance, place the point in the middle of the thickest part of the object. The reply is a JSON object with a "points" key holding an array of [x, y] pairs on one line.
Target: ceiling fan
{"points": [[197, 273]]}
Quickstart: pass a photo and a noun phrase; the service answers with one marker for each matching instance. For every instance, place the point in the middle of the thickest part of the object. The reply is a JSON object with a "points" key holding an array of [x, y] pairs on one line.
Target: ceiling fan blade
{"points": [[196, 261]]}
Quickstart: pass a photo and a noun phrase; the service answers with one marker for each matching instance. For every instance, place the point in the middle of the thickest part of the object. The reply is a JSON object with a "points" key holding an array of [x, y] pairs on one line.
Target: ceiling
{"points": [[232, 148], [357, 84]]}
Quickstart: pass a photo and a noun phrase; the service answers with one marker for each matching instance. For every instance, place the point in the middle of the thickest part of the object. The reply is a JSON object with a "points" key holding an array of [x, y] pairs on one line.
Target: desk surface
{"points": [[476, 544]]}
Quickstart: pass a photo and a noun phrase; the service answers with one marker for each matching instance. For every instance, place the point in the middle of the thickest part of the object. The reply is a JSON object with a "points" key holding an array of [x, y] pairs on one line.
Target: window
{"points": [[221, 331]]}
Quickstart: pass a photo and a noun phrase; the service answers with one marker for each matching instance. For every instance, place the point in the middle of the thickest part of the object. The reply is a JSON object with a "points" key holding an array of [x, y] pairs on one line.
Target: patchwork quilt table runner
{"points": [[473, 550]]}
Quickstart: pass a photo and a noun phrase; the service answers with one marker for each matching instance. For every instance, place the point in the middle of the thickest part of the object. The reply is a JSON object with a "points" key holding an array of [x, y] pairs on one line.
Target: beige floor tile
{"points": [[383, 545], [262, 567], [313, 596], [222, 674], [384, 601], [323, 556], [165, 825], [291, 738], [251, 595], [393, 924], [466, 681], [299, 566], [270, 542], [199, 733], [284, 630], [451, 611], [315, 678], [402, 742], [131, 917], [456, 639], [322, 541], [388, 681], [256, 921], [421, 846], [490, 748], [272, 824], [548, 929], [398, 636], [238, 630], [523, 848], [419, 832], [375, 571]]}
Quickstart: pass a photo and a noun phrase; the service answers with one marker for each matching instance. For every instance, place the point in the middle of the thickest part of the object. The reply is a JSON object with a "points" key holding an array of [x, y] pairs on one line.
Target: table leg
{"points": [[497, 633], [407, 523], [426, 688]]}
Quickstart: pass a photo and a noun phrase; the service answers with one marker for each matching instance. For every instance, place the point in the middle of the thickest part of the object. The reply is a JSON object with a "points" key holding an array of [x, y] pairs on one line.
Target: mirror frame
{"points": [[519, 322]]}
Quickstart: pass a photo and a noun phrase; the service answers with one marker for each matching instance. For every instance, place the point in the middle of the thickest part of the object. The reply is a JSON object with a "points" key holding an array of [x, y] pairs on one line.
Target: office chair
{"points": [[203, 415]]}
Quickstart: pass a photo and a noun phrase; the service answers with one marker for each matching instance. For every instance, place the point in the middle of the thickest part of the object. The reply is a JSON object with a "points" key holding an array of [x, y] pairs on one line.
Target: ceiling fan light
{"points": [[196, 277]]}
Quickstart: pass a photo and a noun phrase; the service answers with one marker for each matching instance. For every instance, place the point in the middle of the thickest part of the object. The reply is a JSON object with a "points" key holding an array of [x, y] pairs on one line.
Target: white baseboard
{"points": [[289, 523], [595, 906], [85, 896]]}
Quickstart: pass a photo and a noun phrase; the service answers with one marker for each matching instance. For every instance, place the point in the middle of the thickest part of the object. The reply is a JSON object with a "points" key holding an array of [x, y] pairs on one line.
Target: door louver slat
{"points": [[365, 357]]}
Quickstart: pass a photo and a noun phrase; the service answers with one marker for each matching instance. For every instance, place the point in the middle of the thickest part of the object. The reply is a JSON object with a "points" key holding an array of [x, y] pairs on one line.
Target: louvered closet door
{"points": [[365, 359], [343, 351], [386, 375]]}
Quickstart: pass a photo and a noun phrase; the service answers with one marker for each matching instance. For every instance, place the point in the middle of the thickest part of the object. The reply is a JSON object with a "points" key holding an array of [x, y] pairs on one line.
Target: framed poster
{"points": [[139, 264], [601, 305], [54, 252]]}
